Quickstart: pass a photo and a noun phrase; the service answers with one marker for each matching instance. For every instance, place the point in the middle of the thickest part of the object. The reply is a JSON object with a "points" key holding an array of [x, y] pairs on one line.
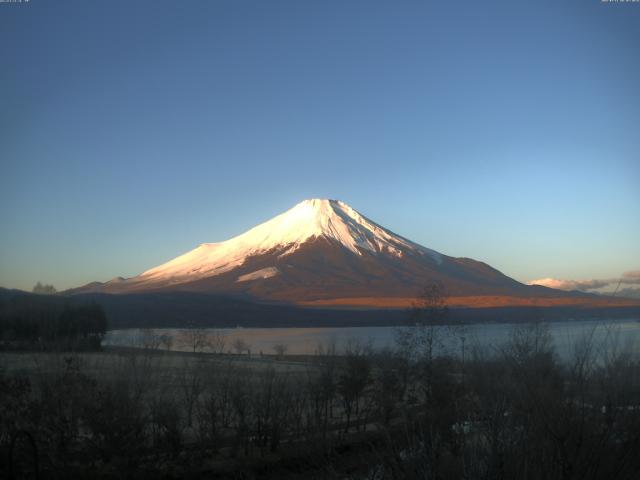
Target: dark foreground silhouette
{"points": [[514, 412]]}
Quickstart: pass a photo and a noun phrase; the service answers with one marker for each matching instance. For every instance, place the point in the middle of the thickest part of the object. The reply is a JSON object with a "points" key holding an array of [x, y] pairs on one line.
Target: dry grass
{"points": [[488, 301], [114, 360]]}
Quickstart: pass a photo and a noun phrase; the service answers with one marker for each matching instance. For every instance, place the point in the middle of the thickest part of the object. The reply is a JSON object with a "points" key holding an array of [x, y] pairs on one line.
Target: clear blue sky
{"points": [[131, 131]]}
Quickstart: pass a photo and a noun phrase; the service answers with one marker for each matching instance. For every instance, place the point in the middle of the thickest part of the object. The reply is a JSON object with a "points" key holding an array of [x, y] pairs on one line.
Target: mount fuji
{"points": [[325, 253]]}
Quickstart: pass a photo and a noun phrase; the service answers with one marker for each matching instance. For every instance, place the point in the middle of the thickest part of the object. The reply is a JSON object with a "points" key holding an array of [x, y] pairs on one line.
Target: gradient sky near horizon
{"points": [[132, 131]]}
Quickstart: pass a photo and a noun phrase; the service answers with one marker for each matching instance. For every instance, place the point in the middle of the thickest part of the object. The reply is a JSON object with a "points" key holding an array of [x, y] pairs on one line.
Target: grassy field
{"points": [[113, 360]]}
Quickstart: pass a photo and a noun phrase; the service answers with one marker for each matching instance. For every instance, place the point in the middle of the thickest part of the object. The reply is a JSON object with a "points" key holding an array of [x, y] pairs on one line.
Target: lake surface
{"points": [[608, 336]]}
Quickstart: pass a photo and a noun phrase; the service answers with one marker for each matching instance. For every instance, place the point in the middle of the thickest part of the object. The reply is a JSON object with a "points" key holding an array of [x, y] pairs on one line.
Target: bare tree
{"points": [[430, 311], [240, 403], [192, 386], [240, 346], [388, 388], [150, 340], [196, 339], [321, 390], [419, 342], [217, 341], [165, 423], [354, 379], [214, 413], [269, 408], [281, 350]]}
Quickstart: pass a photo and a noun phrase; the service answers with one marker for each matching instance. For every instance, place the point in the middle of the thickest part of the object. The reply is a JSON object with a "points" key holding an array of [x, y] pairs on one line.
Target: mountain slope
{"points": [[285, 234], [321, 251]]}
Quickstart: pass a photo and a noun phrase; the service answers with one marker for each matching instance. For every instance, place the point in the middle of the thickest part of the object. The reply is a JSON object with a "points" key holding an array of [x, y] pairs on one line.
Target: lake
{"points": [[610, 336]]}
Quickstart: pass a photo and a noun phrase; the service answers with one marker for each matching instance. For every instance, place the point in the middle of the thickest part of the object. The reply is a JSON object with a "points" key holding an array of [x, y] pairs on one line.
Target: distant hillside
{"points": [[185, 309]]}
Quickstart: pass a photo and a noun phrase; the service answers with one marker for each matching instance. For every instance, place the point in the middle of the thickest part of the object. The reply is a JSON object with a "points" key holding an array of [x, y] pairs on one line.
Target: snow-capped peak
{"points": [[285, 233]]}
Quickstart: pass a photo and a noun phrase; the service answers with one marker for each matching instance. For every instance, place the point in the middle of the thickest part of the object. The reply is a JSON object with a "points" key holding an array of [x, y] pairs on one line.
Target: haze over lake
{"points": [[610, 336]]}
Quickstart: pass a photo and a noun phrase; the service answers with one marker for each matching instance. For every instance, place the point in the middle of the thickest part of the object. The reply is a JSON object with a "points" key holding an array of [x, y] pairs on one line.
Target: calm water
{"points": [[609, 336]]}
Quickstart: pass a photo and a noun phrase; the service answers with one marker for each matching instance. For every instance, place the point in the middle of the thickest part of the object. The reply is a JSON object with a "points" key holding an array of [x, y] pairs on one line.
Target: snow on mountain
{"points": [[259, 274], [284, 234]]}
